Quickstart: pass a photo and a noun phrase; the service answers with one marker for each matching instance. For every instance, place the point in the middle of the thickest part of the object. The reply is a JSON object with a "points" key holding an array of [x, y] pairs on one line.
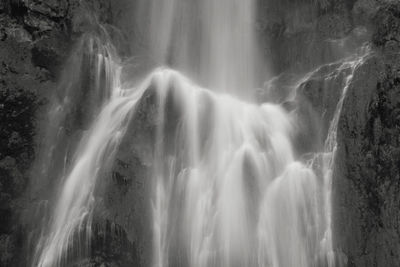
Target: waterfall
{"points": [[227, 188], [92, 156], [213, 42]]}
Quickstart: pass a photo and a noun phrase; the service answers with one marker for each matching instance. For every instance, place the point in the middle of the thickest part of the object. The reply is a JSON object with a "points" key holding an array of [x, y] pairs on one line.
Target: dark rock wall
{"points": [[21, 84], [316, 100], [366, 182], [36, 38], [299, 35], [366, 202], [127, 190]]}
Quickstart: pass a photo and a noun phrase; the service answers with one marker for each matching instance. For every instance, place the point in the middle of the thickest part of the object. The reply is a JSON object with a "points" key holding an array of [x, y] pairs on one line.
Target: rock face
{"points": [[366, 179], [300, 35], [35, 40], [21, 84], [387, 24], [316, 100], [366, 172], [127, 190]]}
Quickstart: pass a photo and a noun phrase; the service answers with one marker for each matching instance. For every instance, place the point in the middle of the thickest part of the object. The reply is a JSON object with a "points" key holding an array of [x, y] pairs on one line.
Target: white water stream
{"points": [[228, 191]]}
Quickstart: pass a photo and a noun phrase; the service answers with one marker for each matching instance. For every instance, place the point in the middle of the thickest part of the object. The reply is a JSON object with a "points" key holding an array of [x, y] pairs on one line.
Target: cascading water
{"points": [[212, 41], [72, 211], [227, 189]]}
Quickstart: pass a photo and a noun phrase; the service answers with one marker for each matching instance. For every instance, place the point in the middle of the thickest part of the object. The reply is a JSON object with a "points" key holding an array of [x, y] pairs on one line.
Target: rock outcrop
{"points": [[366, 177], [300, 35], [366, 172], [35, 40], [316, 100], [127, 189]]}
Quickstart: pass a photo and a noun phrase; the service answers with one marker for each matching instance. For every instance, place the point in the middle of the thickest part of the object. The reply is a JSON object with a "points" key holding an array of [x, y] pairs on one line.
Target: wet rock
{"points": [[387, 23], [126, 193], [50, 52], [364, 10], [334, 26], [49, 8], [7, 247], [316, 101], [279, 89], [366, 177], [17, 108], [323, 90], [12, 29], [127, 190], [301, 35], [38, 22], [82, 15], [17, 128], [16, 184], [35, 39], [110, 246]]}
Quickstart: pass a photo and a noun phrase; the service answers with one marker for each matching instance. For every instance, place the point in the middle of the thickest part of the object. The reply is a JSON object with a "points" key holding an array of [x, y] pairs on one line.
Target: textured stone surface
{"points": [[127, 191], [366, 181], [366, 178], [35, 40], [20, 84], [301, 35], [316, 101], [387, 23]]}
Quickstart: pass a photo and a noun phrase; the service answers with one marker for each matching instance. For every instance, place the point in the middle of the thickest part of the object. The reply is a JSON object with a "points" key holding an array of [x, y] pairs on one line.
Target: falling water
{"points": [[93, 155], [90, 78], [227, 188], [212, 41], [229, 191]]}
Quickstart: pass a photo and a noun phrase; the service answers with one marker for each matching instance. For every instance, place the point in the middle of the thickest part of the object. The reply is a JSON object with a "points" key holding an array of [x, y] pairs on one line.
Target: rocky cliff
{"points": [[36, 38], [366, 172], [366, 176]]}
